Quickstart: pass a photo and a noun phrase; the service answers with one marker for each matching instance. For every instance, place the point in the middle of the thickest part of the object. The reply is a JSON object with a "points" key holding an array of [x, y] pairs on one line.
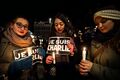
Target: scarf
{"points": [[17, 40]]}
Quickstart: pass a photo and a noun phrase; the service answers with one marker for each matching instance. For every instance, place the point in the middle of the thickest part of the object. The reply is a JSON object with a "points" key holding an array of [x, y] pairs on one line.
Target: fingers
{"points": [[49, 59], [83, 70], [84, 67], [69, 45], [71, 48], [86, 64], [48, 62]]}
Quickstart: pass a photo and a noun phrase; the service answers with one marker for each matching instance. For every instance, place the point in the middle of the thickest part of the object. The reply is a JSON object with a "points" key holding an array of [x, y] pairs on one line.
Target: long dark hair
{"points": [[68, 25]]}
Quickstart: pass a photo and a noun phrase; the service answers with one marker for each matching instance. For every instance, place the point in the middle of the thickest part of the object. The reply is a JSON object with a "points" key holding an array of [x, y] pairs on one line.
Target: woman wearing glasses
{"points": [[16, 36], [103, 62]]}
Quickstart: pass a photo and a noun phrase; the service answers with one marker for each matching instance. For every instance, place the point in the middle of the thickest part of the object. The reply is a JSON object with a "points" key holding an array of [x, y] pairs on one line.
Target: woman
{"points": [[62, 28], [103, 59], [15, 37]]}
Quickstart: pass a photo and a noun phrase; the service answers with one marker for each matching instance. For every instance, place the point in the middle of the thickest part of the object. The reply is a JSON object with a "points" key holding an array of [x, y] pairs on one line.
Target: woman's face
{"points": [[20, 27], [104, 25], [59, 25]]}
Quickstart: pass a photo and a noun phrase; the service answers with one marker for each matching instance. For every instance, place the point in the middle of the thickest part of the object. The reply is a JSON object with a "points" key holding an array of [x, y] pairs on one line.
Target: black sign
{"points": [[26, 52], [58, 47]]}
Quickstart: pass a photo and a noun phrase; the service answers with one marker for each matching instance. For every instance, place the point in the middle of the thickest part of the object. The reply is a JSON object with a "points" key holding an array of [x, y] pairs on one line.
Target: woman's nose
{"points": [[58, 26], [23, 28]]}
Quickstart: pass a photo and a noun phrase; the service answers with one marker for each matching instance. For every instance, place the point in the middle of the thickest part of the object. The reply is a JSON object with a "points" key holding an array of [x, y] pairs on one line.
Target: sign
{"points": [[58, 47], [23, 53]]}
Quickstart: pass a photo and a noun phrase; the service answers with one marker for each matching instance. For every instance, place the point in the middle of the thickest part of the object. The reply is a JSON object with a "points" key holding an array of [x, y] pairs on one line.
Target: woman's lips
{"points": [[21, 31]]}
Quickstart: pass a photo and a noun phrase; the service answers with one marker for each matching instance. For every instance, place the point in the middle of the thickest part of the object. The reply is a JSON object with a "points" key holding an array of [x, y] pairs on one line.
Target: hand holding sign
{"points": [[71, 48], [49, 59]]}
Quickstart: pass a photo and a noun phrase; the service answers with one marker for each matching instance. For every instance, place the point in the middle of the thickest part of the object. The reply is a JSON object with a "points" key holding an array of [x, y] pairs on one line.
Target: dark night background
{"points": [[80, 12]]}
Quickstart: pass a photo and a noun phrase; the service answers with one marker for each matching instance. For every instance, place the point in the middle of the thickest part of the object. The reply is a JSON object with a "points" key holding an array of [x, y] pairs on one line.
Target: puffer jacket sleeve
{"points": [[106, 65]]}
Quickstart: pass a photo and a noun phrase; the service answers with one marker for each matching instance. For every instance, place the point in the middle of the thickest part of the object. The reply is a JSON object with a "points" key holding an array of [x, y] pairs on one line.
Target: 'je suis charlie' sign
{"points": [[23, 53], [58, 45]]}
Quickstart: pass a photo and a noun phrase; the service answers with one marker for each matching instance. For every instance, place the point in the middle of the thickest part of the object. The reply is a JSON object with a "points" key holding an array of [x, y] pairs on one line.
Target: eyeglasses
{"points": [[20, 25]]}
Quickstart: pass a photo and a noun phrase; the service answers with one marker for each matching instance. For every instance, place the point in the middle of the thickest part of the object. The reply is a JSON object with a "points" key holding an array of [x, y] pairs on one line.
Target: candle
{"points": [[53, 55], [57, 49], [84, 53]]}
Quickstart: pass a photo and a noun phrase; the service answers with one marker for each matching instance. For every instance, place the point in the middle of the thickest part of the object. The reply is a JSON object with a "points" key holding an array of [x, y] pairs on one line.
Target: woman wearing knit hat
{"points": [[103, 61]]}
